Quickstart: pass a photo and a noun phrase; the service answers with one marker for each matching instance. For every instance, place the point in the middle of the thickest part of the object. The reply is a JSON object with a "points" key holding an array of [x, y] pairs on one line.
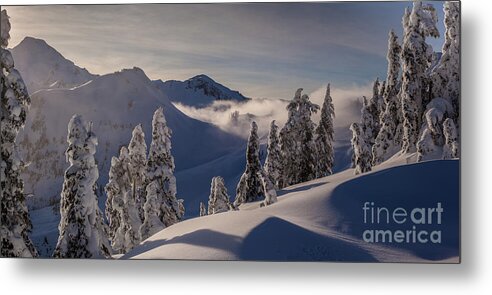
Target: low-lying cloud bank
{"points": [[236, 117]]}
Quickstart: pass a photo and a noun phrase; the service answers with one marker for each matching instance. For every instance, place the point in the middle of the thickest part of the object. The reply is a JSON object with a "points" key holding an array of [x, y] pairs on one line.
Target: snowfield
{"points": [[323, 220]]}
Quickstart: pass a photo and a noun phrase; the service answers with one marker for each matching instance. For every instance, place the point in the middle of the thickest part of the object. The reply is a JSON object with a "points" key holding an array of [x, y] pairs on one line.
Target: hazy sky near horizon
{"points": [[260, 49]]}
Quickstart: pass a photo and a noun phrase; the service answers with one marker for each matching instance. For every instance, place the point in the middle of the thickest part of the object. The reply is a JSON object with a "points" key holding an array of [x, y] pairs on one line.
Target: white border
{"points": [[181, 277]]}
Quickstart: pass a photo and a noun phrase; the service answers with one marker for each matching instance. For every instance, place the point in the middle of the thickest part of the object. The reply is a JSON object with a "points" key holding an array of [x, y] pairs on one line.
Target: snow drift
{"points": [[321, 220]]}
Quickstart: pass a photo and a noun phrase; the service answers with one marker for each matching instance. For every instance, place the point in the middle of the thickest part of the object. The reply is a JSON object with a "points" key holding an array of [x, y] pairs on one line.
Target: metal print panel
{"points": [[322, 131]]}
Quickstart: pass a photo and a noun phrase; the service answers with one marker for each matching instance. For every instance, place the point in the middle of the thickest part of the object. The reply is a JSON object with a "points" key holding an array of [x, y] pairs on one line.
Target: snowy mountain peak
{"points": [[198, 91], [212, 88], [134, 74], [32, 42], [44, 67], [202, 78]]}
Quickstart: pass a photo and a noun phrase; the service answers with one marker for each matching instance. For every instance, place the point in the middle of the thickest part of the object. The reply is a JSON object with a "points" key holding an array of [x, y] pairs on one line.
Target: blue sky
{"points": [[263, 50]]}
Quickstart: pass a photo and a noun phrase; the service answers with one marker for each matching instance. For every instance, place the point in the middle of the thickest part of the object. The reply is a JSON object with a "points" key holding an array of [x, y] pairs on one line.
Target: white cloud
{"points": [[346, 100]]}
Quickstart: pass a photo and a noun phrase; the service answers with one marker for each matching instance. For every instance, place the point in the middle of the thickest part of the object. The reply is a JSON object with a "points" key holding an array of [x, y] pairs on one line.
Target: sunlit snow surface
{"points": [[322, 220]]}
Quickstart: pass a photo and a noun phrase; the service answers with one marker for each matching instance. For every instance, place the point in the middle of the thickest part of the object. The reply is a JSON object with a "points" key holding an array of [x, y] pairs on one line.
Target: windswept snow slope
{"points": [[322, 220], [115, 103]]}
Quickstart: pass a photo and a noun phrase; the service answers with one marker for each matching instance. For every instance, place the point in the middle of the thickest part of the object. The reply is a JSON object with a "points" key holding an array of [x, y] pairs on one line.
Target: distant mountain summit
{"points": [[43, 67], [199, 91], [115, 103]]}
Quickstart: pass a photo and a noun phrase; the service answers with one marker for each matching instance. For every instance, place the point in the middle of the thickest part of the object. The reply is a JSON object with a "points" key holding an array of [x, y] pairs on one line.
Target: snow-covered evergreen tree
{"points": [[15, 101], [298, 148], [269, 190], [218, 200], [446, 75], [250, 187], [121, 208], [114, 194], [82, 231], [361, 149], [416, 61], [425, 146], [306, 127], [273, 162], [370, 115], [137, 149], [388, 140], [162, 208], [393, 81], [381, 101], [203, 209], [152, 211], [288, 141], [324, 135], [451, 149], [432, 137], [5, 29]]}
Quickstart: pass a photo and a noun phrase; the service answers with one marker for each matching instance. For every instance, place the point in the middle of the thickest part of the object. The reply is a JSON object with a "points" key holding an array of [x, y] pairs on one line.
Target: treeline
{"points": [[141, 193], [416, 110], [300, 152]]}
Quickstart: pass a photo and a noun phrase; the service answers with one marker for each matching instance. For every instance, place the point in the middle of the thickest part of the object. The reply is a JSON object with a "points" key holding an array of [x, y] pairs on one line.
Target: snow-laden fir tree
{"points": [[5, 29], [15, 101], [250, 187], [370, 114], [273, 162], [446, 75], [298, 147], [324, 135], [451, 149], [269, 190], [426, 147], [152, 212], [137, 149], [130, 218], [162, 208], [361, 150], [203, 209], [114, 194], [388, 140], [416, 60], [121, 207], [381, 102], [288, 142], [307, 151], [218, 201], [82, 231], [432, 138]]}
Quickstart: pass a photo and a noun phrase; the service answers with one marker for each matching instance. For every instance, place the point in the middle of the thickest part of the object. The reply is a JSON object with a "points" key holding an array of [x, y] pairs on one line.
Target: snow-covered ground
{"points": [[323, 220]]}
